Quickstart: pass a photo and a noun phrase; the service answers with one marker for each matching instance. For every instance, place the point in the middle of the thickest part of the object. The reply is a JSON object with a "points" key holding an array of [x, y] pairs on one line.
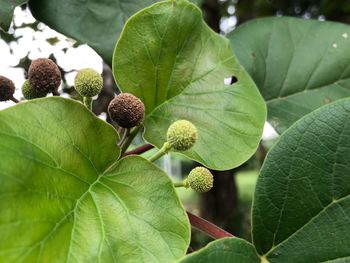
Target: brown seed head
{"points": [[126, 110], [44, 75], [7, 88]]}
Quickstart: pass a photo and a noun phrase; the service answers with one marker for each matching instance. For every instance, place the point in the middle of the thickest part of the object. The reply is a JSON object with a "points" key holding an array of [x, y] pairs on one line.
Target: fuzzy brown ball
{"points": [[7, 88], [126, 110], [44, 76]]}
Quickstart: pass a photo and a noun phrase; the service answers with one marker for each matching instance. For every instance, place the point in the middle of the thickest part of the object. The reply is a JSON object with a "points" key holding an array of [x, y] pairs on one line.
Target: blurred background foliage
{"points": [[228, 204]]}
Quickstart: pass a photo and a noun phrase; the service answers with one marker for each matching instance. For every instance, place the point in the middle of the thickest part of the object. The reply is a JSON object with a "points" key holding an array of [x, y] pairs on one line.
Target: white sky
{"points": [[35, 44]]}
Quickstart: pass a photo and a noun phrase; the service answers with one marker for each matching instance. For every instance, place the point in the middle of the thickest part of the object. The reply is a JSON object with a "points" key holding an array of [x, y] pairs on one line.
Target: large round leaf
{"points": [[298, 65], [63, 200], [226, 250], [177, 65], [301, 210]]}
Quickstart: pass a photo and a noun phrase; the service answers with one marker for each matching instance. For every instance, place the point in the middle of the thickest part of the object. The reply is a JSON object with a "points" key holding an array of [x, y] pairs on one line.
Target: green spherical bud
{"points": [[200, 179], [29, 93], [7, 88], [182, 135], [88, 82], [126, 110], [44, 76]]}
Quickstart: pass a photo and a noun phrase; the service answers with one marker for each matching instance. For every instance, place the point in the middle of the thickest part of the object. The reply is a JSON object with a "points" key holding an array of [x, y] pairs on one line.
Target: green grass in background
{"points": [[246, 181]]}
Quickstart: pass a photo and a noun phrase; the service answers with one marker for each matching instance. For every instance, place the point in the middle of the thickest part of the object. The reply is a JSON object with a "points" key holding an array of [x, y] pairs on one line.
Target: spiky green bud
{"points": [[126, 110], [44, 76], [29, 93], [200, 179], [7, 88], [88, 82], [182, 135]]}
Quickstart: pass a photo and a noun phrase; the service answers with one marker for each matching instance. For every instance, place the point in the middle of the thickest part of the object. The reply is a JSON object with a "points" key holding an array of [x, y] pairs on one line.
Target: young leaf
{"points": [[6, 12], [226, 250], [171, 60], [298, 65], [63, 200], [301, 207]]}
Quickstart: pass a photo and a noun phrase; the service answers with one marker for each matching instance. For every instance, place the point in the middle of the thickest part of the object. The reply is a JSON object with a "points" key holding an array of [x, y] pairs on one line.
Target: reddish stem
{"points": [[208, 228], [139, 150]]}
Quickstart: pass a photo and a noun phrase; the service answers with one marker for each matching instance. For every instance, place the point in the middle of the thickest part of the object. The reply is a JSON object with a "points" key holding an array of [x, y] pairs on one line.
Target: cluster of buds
{"points": [[125, 109], [129, 111], [44, 77]]}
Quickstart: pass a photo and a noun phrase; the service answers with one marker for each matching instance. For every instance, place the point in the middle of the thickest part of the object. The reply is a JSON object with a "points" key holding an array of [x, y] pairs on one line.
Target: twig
{"points": [[125, 135], [14, 99], [129, 139], [140, 150], [208, 228], [88, 102]]}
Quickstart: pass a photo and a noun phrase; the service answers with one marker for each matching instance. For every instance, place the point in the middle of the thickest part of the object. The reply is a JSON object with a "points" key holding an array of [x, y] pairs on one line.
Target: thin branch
{"points": [[207, 228], [129, 139], [125, 135], [88, 102], [14, 99], [140, 150], [180, 184]]}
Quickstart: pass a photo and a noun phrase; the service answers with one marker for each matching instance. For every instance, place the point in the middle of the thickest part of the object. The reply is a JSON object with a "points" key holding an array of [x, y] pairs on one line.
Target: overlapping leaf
{"points": [[301, 210], [169, 57], [62, 200], [298, 65], [227, 250]]}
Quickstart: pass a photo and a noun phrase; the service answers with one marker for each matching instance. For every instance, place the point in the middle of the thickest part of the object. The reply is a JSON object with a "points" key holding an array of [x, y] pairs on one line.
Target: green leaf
{"points": [[198, 2], [176, 64], [298, 65], [301, 210], [97, 23], [6, 12], [226, 250], [63, 200]]}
